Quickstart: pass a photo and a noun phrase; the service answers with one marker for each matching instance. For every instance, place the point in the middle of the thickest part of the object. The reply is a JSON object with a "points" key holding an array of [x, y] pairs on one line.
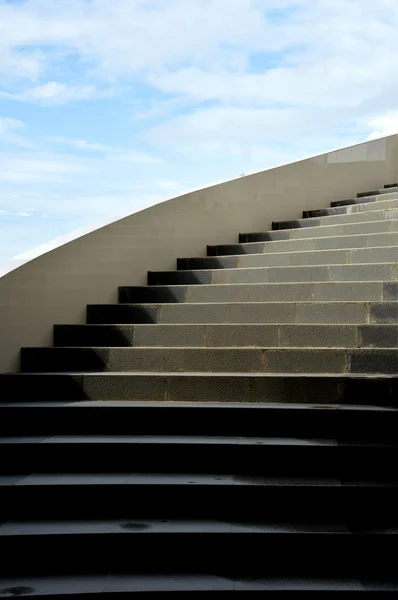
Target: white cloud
{"points": [[384, 125], [53, 93], [9, 129], [119, 153], [42, 168]]}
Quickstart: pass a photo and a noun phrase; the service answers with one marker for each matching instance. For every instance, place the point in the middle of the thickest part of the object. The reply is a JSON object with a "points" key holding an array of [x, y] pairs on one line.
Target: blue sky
{"points": [[107, 106]]}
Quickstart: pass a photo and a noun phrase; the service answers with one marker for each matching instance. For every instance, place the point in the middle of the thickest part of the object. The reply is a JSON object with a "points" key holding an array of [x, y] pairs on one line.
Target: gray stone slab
{"points": [[382, 336], [342, 230], [373, 361], [294, 389], [281, 259], [193, 313], [288, 292], [185, 359], [208, 389], [242, 335], [315, 336], [146, 359], [219, 293], [384, 312], [348, 291], [231, 276], [224, 360], [260, 312], [371, 272], [344, 241], [169, 335], [290, 246], [390, 292], [319, 257], [374, 255], [286, 360], [333, 312], [382, 239], [298, 274], [119, 387]]}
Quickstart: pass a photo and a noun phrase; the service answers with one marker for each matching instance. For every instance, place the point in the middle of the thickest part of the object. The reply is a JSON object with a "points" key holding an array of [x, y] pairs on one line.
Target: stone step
{"points": [[113, 586], [315, 273], [363, 197], [107, 545], [283, 456], [340, 422], [339, 219], [365, 291], [386, 254], [211, 335], [324, 231], [245, 312], [386, 190], [370, 240], [384, 204], [225, 359], [198, 496], [346, 389]]}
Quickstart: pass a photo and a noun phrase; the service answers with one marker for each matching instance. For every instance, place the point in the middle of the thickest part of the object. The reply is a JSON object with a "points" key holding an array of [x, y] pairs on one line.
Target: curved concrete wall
{"points": [[56, 287]]}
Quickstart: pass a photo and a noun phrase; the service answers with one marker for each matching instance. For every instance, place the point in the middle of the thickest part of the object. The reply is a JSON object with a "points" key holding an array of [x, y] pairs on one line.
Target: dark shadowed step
{"points": [[380, 390], [340, 422]]}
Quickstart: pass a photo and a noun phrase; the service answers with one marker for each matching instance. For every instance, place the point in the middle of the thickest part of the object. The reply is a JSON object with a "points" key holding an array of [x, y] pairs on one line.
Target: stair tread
{"points": [[181, 526], [164, 404], [176, 479], [213, 285], [352, 265], [193, 440], [75, 585], [371, 376], [293, 229], [348, 236], [270, 254]]}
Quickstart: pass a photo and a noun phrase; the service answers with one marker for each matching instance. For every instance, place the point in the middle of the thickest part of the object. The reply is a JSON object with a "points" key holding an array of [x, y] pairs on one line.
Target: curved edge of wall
{"points": [[57, 286]]}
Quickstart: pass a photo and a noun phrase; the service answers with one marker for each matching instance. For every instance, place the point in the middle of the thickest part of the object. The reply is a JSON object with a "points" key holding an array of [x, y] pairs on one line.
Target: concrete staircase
{"points": [[231, 426]]}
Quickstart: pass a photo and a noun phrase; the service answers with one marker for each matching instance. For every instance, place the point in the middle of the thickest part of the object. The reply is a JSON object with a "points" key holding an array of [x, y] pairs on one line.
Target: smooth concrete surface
{"points": [[56, 287]]}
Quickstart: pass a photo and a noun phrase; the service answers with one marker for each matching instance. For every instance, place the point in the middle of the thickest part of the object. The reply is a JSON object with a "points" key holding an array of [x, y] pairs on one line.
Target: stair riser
{"points": [[200, 552], [386, 190], [365, 197], [363, 462], [374, 240], [203, 388], [287, 259], [269, 292], [349, 273], [231, 360], [326, 231], [353, 208], [342, 219], [210, 501], [211, 421], [244, 312], [311, 336]]}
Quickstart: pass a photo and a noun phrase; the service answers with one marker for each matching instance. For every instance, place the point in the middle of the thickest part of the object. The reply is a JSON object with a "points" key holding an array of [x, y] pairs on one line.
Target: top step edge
{"points": [[332, 216], [348, 236], [212, 374], [373, 264], [234, 405], [376, 192], [283, 253], [294, 229]]}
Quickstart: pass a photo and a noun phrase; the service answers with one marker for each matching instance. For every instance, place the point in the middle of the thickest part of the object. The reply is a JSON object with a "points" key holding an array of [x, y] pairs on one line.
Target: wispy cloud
{"points": [[112, 152], [9, 133], [54, 93]]}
